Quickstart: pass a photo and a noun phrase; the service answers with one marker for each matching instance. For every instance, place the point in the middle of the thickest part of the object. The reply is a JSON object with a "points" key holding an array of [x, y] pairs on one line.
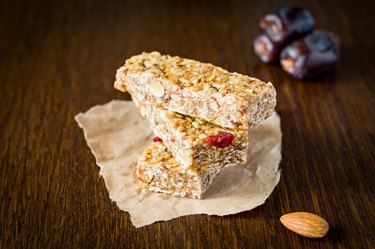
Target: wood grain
{"points": [[58, 58]]}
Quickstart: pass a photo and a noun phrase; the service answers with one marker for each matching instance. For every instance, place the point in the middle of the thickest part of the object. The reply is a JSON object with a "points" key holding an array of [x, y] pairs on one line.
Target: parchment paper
{"points": [[117, 136]]}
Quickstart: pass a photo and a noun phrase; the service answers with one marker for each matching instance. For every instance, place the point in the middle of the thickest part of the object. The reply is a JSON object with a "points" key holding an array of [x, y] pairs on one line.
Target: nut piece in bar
{"points": [[197, 89], [158, 171], [195, 143]]}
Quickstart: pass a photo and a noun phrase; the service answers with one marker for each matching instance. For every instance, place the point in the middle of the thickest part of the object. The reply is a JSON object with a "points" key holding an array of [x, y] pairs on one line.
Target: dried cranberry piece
{"points": [[221, 140], [267, 50], [157, 139], [312, 55], [287, 23]]}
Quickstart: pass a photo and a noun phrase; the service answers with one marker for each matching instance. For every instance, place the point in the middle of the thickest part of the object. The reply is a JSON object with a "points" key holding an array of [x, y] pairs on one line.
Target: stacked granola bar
{"points": [[158, 171], [201, 114]]}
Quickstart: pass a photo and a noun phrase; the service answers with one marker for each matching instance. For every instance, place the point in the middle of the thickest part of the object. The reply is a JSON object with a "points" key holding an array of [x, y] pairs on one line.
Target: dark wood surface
{"points": [[58, 58]]}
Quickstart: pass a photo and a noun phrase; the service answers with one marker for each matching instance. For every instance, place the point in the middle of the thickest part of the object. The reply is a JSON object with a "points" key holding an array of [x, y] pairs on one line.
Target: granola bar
{"points": [[195, 143], [158, 171], [197, 89]]}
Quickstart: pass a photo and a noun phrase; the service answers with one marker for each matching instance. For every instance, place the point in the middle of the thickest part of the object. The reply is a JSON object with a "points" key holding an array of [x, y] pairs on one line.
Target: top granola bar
{"points": [[197, 89]]}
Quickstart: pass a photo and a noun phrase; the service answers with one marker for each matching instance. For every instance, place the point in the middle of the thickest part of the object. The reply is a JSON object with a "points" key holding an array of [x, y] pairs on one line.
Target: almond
{"points": [[145, 174], [156, 88], [305, 224]]}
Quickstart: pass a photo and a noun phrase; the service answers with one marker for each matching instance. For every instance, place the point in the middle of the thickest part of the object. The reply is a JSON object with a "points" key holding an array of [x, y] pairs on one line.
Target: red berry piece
{"points": [[157, 139], [267, 50], [287, 23], [221, 140], [312, 55]]}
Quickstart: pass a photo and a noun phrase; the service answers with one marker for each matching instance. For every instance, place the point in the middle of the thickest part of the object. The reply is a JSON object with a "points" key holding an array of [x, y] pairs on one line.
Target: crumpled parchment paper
{"points": [[117, 135]]}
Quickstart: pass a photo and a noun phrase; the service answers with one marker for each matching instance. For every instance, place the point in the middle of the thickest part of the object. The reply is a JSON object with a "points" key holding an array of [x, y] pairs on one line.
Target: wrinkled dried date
{"points": [[281, 27], [312, 55], [287, 39], [267, 50], [286, 23]]}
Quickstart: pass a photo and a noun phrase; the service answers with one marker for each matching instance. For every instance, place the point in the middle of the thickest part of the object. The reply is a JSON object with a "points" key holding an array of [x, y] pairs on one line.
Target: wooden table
{"points": [[58, 58]]}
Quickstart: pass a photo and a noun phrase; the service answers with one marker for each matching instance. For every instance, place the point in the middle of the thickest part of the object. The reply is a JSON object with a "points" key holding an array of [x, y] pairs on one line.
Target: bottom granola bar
{"points": [[158, 171]]}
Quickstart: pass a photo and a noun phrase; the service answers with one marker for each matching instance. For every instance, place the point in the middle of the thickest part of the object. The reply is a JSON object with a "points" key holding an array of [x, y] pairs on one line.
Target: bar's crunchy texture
{"points": [[198, 89], [195, 143], [158, 171]]}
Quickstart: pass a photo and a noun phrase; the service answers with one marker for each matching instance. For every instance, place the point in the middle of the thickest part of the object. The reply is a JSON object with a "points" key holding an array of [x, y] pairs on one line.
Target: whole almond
{"points": [[305, 224]]}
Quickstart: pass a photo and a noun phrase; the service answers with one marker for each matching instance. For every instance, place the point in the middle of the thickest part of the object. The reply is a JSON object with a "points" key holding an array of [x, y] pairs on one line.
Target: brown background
{"points": [[58, 58]]}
